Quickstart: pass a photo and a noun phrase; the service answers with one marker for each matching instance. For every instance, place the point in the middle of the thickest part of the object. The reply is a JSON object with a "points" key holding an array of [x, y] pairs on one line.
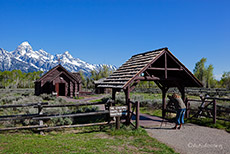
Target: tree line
{"points": [[18, 79]]}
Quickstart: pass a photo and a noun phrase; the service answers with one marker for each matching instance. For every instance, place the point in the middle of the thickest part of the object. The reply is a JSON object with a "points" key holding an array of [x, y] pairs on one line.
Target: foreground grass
{"points": [[125, 140]]}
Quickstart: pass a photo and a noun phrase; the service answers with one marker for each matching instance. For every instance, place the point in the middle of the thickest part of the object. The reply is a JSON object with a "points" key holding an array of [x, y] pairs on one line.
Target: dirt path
{"points": [[191, 139]]}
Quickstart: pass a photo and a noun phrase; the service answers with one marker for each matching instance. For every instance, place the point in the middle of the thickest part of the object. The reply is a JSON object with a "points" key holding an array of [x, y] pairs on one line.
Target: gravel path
{"points": [[191, 139]]}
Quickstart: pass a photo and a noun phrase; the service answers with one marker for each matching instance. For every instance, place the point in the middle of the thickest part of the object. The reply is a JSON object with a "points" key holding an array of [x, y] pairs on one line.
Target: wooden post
{"points": [[107, 108], [187, 104], [163, 103], [214, 111], [127, 99], [137, 114], [113, 96], [166, 73], [118, 122], [40, 113], [182, 93]]}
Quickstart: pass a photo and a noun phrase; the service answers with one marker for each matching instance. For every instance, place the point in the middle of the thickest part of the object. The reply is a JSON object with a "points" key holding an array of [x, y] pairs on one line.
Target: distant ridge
{"points": [[26, 59]]}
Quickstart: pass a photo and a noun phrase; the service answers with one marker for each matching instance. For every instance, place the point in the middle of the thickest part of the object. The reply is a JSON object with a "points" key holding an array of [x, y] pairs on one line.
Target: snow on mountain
{"points": [[26, 59]]}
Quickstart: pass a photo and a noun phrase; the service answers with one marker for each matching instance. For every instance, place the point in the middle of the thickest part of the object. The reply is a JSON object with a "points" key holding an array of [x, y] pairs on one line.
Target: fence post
{"points": [[137, 114], [187, 108], [109, 104], [40, 113], [118, 118], [128, 118], [214, 111]]}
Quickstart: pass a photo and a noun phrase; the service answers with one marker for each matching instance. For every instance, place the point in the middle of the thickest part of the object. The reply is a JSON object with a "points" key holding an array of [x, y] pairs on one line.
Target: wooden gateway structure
{"points": [[60, 81], [160, 66]]}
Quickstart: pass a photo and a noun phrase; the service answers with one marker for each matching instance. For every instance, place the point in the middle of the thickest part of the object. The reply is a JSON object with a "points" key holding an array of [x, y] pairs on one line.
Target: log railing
{"points": [[40, 116], [209, 108], [134, 111]]}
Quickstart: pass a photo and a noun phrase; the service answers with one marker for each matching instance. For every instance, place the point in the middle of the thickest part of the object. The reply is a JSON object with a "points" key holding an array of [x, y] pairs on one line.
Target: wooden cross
{"points": [[59, 61]]}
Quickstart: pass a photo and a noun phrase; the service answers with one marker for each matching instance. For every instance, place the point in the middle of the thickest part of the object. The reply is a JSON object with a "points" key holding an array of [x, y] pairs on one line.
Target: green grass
{"points": [[208, 122], [147, 95], [95, 100], [124, 140], [157, 112], [79, 98]]}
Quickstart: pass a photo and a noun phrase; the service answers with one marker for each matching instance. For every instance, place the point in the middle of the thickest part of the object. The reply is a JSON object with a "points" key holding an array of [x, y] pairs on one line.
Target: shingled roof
{"points": [[130, 69], [73, 76], [138, 64]]}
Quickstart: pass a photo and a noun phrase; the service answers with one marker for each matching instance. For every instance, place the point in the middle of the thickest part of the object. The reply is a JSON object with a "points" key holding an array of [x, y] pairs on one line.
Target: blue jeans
{"points": [[180, 116]]}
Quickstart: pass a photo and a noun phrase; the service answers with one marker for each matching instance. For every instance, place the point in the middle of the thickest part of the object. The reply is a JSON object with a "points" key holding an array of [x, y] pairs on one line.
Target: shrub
{"points": [[47, 97]]}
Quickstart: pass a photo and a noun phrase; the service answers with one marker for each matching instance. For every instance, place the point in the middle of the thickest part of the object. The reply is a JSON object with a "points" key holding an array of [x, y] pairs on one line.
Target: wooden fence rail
{"points": [[209, 108], [22, 105], [40, 116], [135, 112]]}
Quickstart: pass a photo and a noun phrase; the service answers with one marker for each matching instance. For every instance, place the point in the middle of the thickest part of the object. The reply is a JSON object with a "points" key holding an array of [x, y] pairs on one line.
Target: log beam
{"points": [[162, 69]]}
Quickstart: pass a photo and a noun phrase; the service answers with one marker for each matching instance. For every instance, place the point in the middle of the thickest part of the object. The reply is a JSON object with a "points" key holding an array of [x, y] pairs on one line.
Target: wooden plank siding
{"points": [[59, 80]]}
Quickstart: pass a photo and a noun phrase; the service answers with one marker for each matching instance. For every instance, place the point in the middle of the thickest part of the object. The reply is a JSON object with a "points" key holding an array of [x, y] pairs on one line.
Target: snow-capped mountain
{"points": [[24, 58]]}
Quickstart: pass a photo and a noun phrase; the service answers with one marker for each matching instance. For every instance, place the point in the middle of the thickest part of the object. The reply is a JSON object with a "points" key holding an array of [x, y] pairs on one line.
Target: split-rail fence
{"points": [[40, 117]]}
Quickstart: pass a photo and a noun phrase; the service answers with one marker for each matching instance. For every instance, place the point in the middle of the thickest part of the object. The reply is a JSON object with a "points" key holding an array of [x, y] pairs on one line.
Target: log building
{"points": [[60, 81]]}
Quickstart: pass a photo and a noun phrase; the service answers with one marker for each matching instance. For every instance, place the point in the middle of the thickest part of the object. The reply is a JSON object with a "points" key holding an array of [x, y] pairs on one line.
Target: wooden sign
{"points": [[117, 111]]}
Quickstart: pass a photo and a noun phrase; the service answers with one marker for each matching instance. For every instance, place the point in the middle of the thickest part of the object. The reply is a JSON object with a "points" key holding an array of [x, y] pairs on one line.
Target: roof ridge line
{"points": [[150, 51]]}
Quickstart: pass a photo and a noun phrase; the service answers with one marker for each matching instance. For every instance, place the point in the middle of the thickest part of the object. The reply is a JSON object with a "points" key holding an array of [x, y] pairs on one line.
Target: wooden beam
{"points": [[22, 127], [78, 125], [166, 73], [164, 91], [214, 111], [71, 115], [72, 105], [22, 105], [162, 69], [17, 117], [182, 91], [127, 99], [137, 114], [147, 78], [114, 94], [147, 73]]}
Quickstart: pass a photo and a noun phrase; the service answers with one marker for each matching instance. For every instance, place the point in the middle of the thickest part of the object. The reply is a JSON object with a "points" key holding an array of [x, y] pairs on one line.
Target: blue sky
{"points": [[111, 31]]}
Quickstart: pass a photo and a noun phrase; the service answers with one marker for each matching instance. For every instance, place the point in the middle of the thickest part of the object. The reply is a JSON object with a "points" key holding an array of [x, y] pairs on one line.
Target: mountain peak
{"points": [[26, 59], [23, 48], [68, 55], [25, 43]]}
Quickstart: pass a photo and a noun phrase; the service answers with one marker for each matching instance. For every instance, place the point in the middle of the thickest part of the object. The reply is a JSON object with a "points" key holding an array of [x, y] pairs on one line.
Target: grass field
{"points": [[122, 141]]}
